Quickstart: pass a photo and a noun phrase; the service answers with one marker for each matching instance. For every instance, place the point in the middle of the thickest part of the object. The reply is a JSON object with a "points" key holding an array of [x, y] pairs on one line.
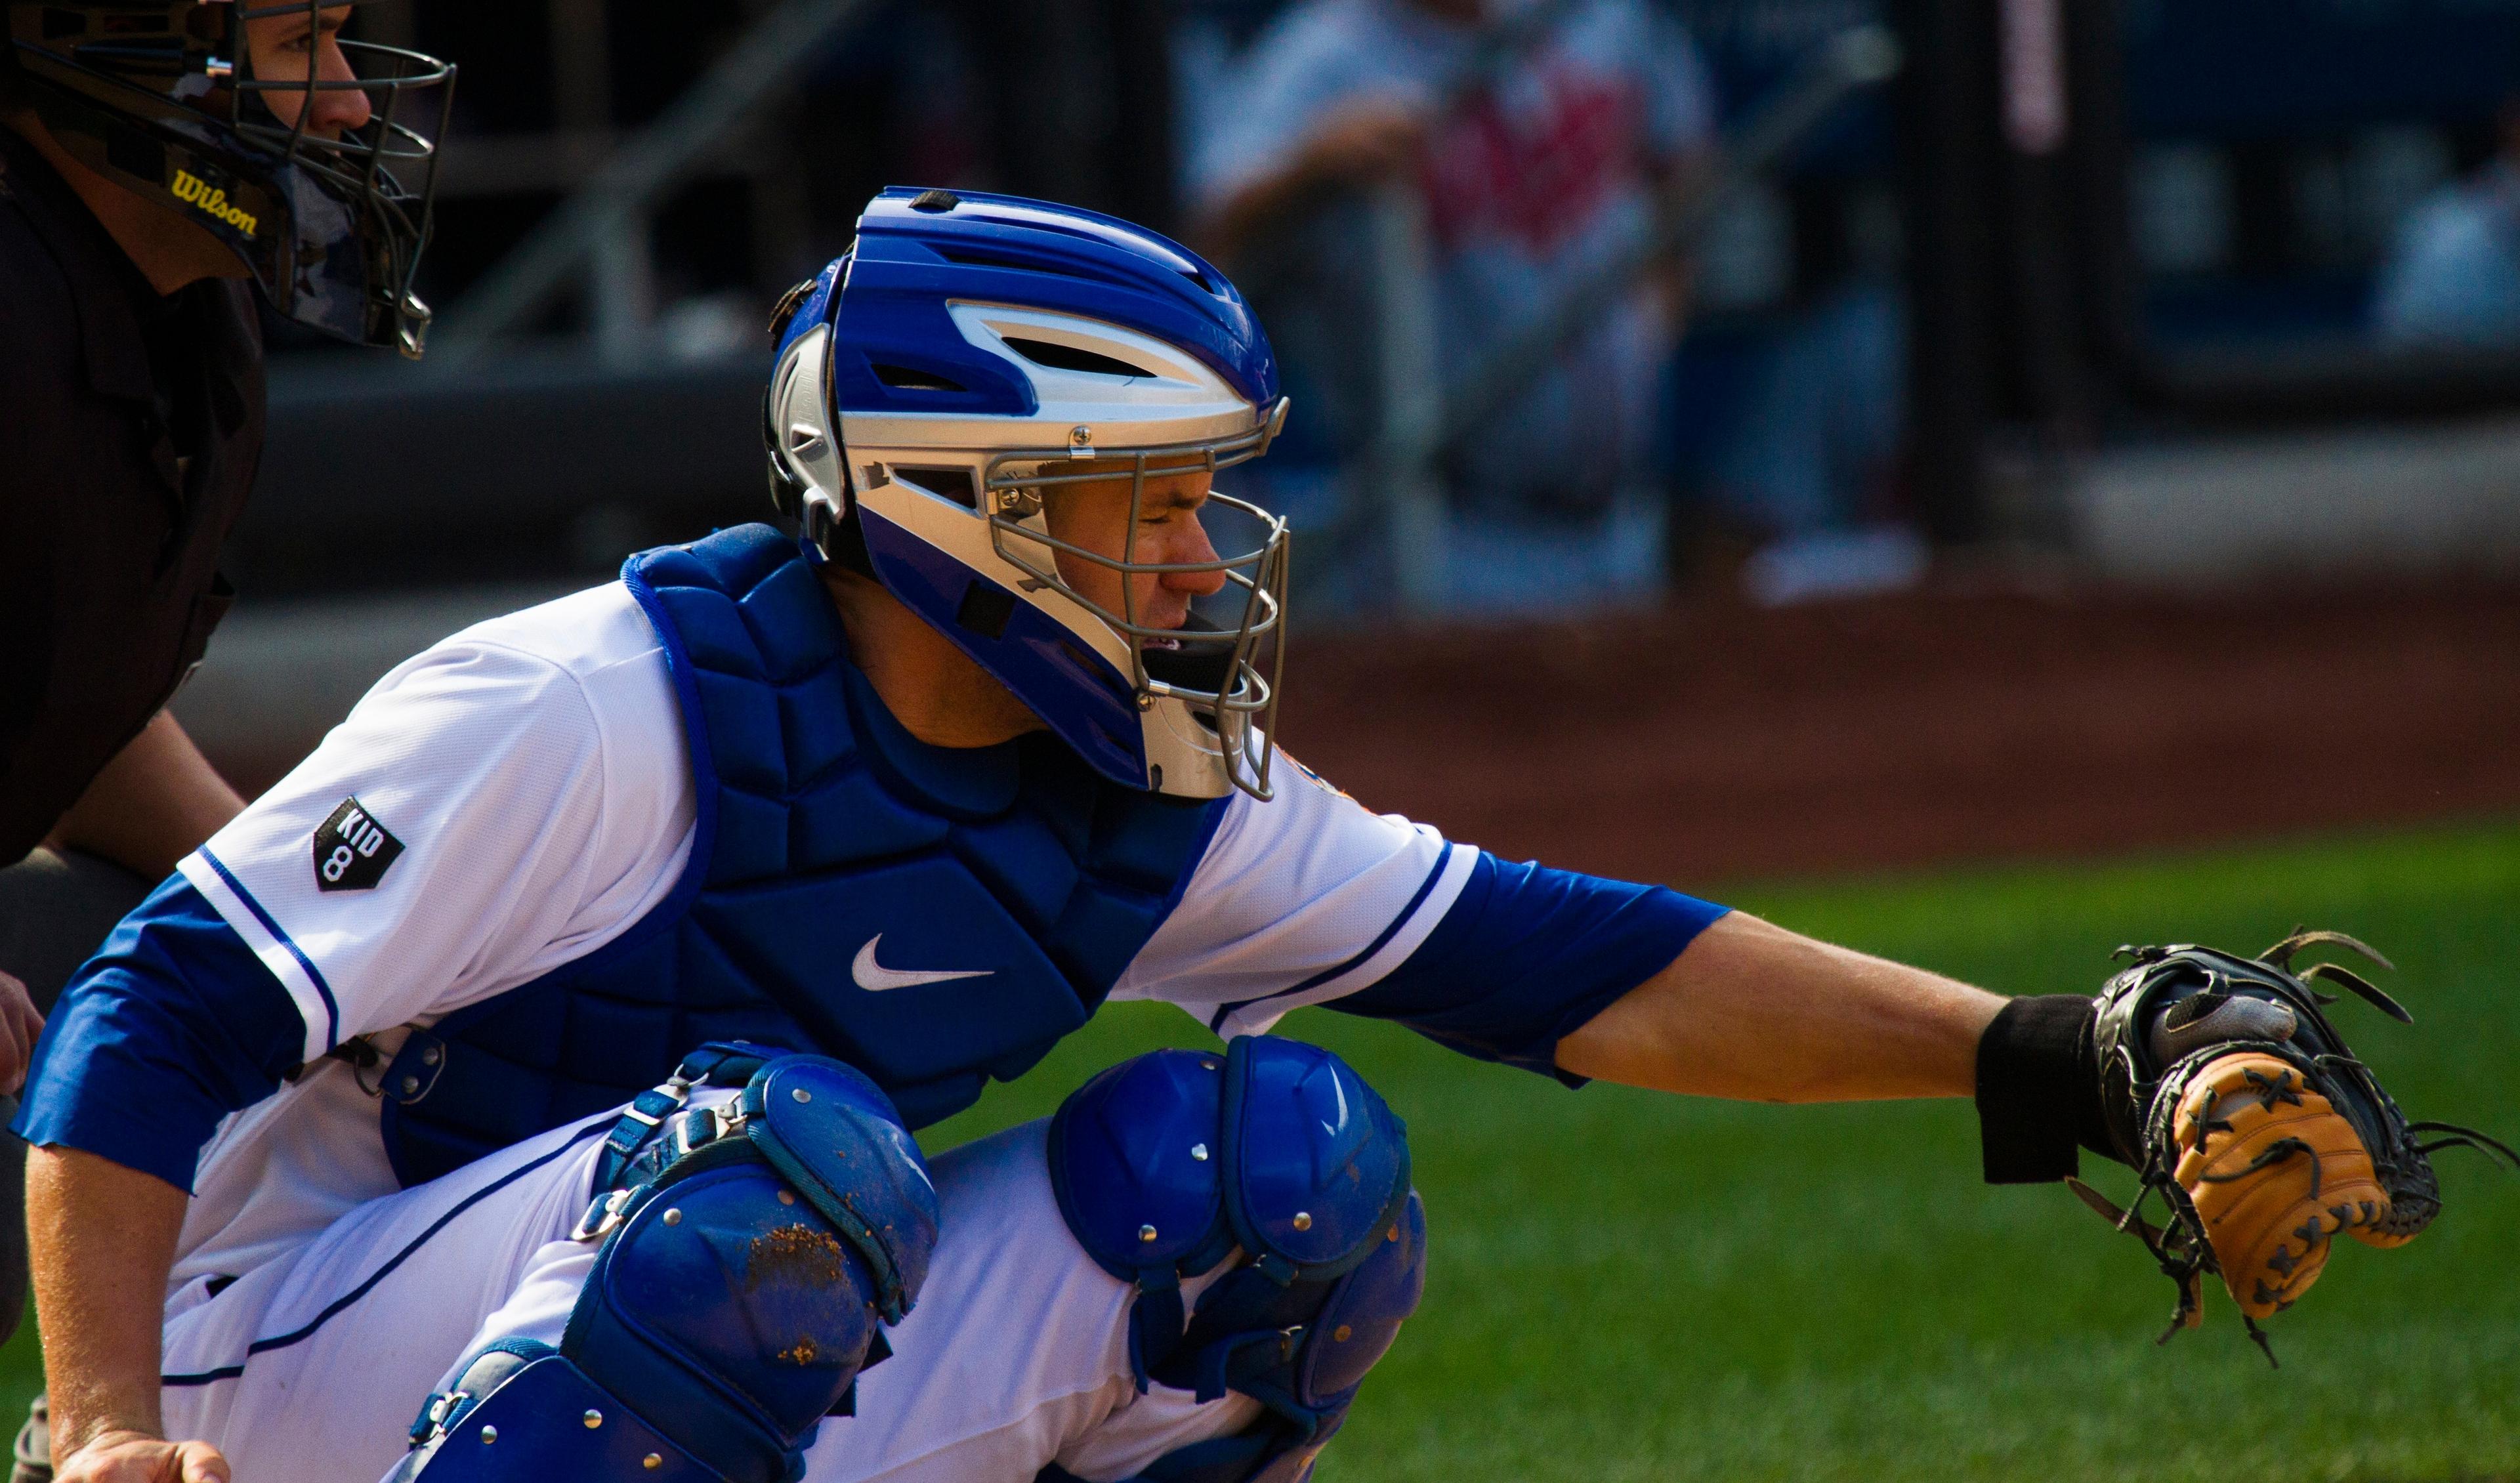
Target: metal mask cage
{"points": [[395, 221], [1238, 659]]}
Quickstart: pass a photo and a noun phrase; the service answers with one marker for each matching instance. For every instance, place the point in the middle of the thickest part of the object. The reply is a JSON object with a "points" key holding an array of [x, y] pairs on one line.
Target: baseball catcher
{"points": [[524, 1088]]}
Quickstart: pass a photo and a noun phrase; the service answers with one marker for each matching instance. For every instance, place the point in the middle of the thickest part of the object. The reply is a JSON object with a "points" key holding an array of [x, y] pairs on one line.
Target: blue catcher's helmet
{"points": [[936, 386]]}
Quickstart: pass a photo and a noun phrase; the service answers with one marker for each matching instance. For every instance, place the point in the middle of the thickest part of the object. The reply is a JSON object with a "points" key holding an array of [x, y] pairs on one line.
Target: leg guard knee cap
{"points": [[749, 1256], [1165, 1164]]}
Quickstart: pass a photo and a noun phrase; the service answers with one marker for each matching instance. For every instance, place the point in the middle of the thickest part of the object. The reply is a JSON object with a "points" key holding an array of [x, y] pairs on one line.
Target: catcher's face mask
{"points": [[1007, 404], [312, 158], [1202, 628]]}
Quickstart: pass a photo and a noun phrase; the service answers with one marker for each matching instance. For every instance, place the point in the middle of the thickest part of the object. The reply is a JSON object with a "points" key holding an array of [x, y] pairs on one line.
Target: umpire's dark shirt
{"points": [[130, 424]]}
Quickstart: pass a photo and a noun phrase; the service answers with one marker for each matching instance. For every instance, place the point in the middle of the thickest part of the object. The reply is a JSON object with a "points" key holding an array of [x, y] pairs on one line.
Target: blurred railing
{"points": [[1425, 413], [598, 244], [598, 239]]}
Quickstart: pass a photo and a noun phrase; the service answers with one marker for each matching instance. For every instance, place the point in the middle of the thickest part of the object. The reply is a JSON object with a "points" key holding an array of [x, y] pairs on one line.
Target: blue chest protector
{"points": [[931, 916]]}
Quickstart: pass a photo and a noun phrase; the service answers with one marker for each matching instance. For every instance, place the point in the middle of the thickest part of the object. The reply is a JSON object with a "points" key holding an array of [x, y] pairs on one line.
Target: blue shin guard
{"points": [[749, 1257], [1167, 1164]]}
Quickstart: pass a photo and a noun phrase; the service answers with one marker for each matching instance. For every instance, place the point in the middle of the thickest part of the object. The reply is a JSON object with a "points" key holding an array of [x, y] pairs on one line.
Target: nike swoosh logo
{"points": [[875, 978]]}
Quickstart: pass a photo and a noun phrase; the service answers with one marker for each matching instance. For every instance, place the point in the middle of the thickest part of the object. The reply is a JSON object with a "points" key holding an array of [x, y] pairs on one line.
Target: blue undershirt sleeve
{"points": [[170, 1028], [1526, 956]]}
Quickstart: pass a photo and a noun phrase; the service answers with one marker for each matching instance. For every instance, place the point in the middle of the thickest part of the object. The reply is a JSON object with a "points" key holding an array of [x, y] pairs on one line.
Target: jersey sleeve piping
{"points": [[1399, 940], [337, 957], [271, 945], [1527, 955], [174, 1025]]}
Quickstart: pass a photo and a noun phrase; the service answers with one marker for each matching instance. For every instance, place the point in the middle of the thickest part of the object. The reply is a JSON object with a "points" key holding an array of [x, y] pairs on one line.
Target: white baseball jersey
{"points": [[520, 797], [533, 771]]}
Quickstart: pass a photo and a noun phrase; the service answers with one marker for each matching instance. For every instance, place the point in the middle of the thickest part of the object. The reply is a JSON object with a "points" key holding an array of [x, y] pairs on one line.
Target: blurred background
{"points": [[1866, 425], [1861, 458]]}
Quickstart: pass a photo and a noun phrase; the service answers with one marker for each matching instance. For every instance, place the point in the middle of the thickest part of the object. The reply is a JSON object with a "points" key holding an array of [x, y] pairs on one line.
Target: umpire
{"points": [[151, 163]]}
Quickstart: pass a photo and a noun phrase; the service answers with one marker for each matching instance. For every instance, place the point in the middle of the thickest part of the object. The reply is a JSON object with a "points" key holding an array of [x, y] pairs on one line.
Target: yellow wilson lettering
{"points": [[210, 200]]}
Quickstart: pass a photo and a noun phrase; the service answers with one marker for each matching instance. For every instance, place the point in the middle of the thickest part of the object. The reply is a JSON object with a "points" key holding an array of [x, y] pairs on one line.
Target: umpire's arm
{"points": [[1753, 1011]]}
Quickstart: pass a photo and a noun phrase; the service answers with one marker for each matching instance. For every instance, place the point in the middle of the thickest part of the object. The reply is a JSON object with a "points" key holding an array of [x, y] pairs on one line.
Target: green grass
{"points": [[1624, 1286], [1631, 1286]]}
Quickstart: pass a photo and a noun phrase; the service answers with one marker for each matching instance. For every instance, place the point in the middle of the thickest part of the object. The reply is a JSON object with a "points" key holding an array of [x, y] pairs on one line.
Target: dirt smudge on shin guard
{"points": [[796, 1253]]}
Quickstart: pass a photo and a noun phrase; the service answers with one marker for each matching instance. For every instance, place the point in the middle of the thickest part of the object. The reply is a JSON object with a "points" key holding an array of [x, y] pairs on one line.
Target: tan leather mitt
{"points": [[2238, 1103], [2273, 1170]]}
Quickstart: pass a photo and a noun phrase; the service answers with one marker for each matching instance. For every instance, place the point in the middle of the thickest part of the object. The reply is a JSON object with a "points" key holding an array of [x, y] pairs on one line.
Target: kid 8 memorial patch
{"points": [[352, 850]]}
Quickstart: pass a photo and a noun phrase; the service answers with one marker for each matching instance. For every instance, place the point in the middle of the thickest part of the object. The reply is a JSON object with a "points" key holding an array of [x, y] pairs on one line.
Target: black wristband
{"points": [[2039, 1090]]}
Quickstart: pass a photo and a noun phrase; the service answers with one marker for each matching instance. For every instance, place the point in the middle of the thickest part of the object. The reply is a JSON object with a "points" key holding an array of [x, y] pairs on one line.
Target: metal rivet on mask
{"points": [[594, 1418], [652, 1461], [1303, 1220], [429, 1056], [673, 1217], [1199, 1151], [786, 1197], [1391, 1234], [1145, 1233], [1341, 1333], [801, 1094], [410, 1083], [490, 1434]]}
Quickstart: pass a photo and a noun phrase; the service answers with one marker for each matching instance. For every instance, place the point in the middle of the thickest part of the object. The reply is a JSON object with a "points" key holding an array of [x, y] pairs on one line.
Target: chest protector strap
{"points": [[1166, 1165]]}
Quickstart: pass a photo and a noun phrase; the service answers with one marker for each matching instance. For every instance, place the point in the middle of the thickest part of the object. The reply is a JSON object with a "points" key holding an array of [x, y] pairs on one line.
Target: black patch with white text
{"points": [[352, 850]]}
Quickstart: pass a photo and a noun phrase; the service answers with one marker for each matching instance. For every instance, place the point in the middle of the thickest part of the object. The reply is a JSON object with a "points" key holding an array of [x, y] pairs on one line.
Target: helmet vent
{"points": [[951, 483], [904, 379], [1059, 357], [974, 258]]}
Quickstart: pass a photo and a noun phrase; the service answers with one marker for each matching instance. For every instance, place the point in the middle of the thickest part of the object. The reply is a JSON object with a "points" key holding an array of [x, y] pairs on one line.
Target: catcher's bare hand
{"points": [[133, 1456]]}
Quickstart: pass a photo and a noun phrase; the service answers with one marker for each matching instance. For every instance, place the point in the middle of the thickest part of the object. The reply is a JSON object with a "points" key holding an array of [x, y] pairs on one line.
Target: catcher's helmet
{"points": [[163, 99], [935, 388]]}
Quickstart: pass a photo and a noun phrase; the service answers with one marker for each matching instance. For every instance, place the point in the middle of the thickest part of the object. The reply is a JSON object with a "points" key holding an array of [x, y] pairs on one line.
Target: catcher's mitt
{"points": [[2238, 1102]]}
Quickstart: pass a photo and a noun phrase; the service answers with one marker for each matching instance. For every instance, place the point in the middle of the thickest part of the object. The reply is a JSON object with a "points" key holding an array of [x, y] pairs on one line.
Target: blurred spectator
{"points": [[2452, 276], [1791, 408], [1532, 176]]}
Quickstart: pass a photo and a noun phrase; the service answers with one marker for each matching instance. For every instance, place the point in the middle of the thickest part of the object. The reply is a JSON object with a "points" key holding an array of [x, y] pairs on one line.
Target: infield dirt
{"points": [[1712, 741]]}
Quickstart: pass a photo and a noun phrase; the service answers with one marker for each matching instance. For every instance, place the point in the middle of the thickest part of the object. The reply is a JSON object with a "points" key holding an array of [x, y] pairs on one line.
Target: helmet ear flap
{"points": [[808, 473], [786, 491]]}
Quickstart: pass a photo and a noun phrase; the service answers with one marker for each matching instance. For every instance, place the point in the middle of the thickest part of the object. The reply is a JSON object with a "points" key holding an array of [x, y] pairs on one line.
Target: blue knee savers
{"points": [[1167, 1164], [750, 1254]]}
